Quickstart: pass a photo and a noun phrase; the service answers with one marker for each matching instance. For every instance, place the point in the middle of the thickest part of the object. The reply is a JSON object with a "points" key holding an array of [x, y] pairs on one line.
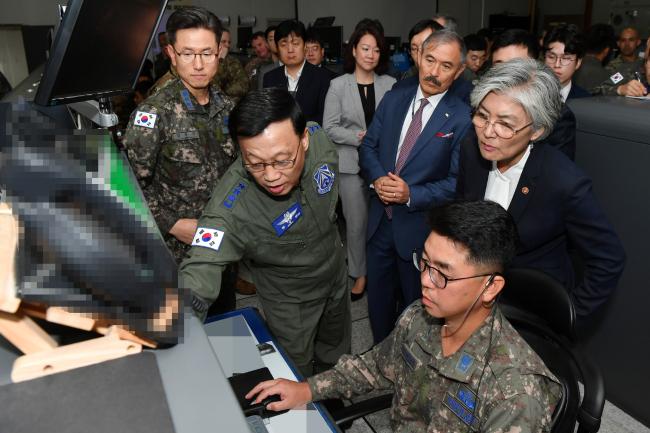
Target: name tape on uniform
{"points": [[142, 118], [208, 238]]}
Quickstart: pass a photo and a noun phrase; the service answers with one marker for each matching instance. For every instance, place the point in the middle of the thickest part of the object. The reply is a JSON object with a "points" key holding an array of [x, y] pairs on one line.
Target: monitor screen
{"points": [[332, 41], [99, 49]]}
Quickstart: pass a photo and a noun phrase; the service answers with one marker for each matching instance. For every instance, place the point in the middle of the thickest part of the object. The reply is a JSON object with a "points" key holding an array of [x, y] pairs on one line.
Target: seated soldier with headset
{"points": [[453, 360]]}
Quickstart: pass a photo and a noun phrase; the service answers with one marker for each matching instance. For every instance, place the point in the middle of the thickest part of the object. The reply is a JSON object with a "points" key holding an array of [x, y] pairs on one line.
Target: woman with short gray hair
{"points": [[516, 104]]}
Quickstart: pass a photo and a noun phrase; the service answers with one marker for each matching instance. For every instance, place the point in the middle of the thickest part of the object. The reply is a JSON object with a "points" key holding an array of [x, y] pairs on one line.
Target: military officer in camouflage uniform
{"points": [[231, 77], [177, 140], [454, 362], [627, 68], [276, 207]]}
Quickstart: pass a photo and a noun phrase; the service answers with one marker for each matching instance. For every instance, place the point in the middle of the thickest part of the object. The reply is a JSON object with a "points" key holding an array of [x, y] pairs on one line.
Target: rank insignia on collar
{"points": [[185, 96], [464, 363], [288, 218], [324, 178]]}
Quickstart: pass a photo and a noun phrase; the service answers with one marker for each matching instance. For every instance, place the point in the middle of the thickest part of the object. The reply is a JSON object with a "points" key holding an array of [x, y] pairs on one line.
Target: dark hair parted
{"points": [[360, 31], [422, 25], [475, 43], [484, 228], [286, 28], [193, 17], [313, 37], [259, 108], [517, 37], [567, 35]]}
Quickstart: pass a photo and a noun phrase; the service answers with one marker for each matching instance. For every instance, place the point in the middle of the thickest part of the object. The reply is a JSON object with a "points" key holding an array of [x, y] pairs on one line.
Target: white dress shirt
{"points": [[501, 187], [564, 91], [293, 83]]}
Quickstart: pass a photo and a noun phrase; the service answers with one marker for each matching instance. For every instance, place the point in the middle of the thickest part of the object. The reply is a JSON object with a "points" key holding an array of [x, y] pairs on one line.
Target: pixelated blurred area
{"points": [[87, 242]]}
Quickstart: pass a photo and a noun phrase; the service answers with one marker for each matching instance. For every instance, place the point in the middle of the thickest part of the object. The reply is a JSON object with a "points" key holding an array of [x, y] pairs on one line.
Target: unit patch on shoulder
{"points": [[229, 201], [282, 223], [616, 78], [324, 179], [142, 118], [313, 128], [208, 238]]}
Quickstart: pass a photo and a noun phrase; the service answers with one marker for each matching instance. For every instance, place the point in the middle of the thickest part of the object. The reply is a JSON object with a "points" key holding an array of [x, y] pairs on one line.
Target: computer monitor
{"points": [[99, 49]]}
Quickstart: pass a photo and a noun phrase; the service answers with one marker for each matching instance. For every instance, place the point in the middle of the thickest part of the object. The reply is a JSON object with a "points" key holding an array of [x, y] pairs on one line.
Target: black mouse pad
{"points": [[123, 395], [242, 383]]}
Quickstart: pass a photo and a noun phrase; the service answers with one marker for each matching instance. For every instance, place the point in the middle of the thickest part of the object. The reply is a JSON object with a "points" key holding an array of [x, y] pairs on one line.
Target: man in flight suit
{"points": [[276, 207]]}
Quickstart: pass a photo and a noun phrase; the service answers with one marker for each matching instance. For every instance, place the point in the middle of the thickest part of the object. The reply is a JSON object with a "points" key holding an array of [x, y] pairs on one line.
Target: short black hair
{"points": [[286, 28], [259, 108], [483, 227], [517, 37], [475, 43], [422, 25], [360, 31], [192, 17], [567, 35], [258, 35], [268, 30], [598, 37], [314, 37]]}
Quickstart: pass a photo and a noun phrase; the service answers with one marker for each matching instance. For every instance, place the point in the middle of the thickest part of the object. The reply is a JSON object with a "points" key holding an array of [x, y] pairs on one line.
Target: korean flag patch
{"points": [[142, 118], [616, 78], [324, 179], [208, 238]]}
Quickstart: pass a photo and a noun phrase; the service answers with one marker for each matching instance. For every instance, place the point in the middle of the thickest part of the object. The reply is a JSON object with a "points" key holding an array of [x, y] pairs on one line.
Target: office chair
{"points": [[540, 309]]}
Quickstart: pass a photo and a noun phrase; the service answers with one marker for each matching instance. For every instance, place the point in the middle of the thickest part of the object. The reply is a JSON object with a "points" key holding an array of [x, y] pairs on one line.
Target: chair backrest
{"points": [[542, 312], [533, 292]]}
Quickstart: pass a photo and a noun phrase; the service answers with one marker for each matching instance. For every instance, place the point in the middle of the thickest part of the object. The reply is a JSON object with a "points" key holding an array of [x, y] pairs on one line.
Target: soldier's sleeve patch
{"points": [[313, 128], [616, 78], [324, 179], [142, 118], [208, 238]]}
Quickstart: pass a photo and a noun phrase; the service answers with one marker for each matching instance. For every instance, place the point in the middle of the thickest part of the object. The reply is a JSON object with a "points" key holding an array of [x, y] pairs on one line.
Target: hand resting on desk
{"points": [[292, 394]]}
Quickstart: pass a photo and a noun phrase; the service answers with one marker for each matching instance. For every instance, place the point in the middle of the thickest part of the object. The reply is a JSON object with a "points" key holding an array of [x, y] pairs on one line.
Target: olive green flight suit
{"points": [[293, 244]]}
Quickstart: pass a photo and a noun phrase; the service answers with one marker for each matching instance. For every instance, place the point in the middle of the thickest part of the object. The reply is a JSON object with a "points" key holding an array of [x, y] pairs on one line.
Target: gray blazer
{"points": [[343, 117]]}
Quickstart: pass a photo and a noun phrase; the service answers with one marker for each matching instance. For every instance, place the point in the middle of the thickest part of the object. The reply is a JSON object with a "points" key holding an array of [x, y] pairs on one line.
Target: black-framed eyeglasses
{"points": [[277, 165], [439, 279], [480, 120], [189, 57], [564, 60]]}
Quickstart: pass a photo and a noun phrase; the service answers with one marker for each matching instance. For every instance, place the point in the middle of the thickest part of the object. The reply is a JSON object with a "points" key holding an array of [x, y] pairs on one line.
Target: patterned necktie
{"points": [[412, 134]]}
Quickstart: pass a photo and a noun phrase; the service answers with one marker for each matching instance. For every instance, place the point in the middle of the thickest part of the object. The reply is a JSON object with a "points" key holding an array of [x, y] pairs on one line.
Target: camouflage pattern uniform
{"points": [[296, 255], [627, 69], [232, 79], [434, 393], [593, 77], [179, 160], [253, 68]]}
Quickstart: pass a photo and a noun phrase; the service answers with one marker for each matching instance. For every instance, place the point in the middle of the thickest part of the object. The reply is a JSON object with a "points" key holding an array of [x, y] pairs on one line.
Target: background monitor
{"points": [[99, 49], [332, 41]]}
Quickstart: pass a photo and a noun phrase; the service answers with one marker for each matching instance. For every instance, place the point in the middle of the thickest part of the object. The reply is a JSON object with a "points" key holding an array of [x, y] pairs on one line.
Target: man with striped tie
{"points": [[409, 157]]}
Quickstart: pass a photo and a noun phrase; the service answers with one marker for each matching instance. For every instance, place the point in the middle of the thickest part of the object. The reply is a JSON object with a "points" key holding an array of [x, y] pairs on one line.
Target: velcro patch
{"points": [[142, 118], [464, 363], [324, 179], [282, 223], [229, 201], [208, 238], [616, 78], [459, 409]]}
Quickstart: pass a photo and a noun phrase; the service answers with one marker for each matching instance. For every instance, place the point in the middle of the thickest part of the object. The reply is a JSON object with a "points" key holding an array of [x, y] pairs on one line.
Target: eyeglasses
{"points": [[439, 279], [277, 165], [480, 120], [189, 57], [564, 60]]}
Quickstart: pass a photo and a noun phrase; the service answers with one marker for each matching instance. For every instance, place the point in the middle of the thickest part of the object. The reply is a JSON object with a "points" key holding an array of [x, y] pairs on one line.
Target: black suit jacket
{"points": [[577, 92], [313, 85], [554, 204], [563, 136]]}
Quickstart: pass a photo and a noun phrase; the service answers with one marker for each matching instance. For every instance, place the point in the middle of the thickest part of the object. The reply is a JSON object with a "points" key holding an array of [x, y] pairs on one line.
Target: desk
{"points": [[197, 392], [234, 336]]}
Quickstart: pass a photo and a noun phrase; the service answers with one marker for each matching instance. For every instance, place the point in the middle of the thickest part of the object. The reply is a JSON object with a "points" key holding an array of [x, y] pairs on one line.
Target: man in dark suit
{"points": [[306, 82], [420, 31], [519, 44], [409, 156]]}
